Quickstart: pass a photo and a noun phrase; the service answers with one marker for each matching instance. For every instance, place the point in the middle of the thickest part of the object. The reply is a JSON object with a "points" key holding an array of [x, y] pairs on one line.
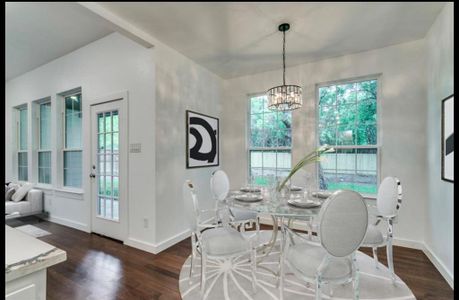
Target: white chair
{"points": [[388, 203], [343, 221], [217, 241], [219, 186]]}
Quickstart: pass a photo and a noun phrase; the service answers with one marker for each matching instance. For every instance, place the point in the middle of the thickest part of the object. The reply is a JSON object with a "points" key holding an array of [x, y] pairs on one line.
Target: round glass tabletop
{"points": [[269, 205]]}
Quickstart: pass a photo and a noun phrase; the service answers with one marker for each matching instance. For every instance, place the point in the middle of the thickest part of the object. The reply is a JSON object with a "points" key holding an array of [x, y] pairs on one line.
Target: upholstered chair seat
{"points": [[374, 236], [223, 241], [337, 268]]}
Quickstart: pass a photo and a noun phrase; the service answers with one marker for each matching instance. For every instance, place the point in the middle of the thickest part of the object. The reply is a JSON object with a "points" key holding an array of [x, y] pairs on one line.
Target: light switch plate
{"points": [[135, 148]]}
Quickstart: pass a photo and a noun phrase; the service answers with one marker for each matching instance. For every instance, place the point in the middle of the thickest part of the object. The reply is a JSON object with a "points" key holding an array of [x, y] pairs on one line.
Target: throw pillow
{"points": [[9, 192], [22, 192]]}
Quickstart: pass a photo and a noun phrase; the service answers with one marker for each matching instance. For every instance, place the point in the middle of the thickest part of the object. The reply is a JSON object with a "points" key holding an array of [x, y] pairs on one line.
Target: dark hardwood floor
{"points": [[101, 268]]}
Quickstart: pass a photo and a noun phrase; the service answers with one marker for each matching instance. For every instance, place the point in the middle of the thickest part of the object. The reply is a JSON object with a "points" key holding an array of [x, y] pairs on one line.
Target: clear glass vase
{"points": [[284, 193]]}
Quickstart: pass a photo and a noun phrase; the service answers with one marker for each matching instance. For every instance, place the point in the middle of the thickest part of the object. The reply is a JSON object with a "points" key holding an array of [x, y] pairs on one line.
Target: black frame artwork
{"points": [[204, 130], [447, 139]]}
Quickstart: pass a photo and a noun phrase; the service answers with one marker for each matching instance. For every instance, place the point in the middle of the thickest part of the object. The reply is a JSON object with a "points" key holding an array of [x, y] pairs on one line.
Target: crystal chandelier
{"points": [[284, 97]]}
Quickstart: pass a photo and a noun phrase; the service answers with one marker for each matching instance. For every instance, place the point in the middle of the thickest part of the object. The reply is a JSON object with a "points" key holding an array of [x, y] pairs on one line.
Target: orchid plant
{"points": [[311, 157]]}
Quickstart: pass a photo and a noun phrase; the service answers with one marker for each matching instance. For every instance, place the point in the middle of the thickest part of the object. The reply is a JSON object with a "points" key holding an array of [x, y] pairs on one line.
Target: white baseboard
{"points": [[156, 248], [439, 265], [142, 245], [163, 245], [408, 243], [69, 223]]}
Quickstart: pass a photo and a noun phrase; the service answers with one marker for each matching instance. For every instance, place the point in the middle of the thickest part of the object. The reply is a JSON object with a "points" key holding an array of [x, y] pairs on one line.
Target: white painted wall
{"points": [[402, 123], [181, 85], [109, 65], [439, 236], [162, 84]]}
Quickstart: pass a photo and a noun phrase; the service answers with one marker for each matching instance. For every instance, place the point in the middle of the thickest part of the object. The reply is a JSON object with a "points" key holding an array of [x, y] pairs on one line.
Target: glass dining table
{"points": [[280, 210]]}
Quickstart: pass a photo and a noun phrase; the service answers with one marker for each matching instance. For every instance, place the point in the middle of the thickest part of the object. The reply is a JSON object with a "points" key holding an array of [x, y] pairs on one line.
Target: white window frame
{"points": [[39, 149], [248, 135], [18, 140], [64, 149], [378, 145]]}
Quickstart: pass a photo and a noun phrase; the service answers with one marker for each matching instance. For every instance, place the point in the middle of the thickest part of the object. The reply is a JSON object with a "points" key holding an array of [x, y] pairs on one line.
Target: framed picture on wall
{"points": [[447, 139], [202, 140]]}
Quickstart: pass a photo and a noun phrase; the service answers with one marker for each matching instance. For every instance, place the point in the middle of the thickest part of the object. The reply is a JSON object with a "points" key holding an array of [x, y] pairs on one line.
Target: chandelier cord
{"points": [[283, 58]]}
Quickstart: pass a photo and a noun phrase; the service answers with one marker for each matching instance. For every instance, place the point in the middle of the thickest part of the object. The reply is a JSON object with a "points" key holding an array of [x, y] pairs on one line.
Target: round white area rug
{"points": [[232, 280]]}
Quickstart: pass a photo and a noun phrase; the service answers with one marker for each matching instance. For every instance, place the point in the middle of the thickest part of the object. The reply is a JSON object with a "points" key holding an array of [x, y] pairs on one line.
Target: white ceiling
{"points": [[229, 38], [39, 32], [233, 39]]}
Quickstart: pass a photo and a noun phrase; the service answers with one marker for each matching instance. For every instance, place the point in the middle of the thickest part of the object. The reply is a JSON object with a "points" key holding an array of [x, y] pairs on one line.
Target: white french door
{"points": [[109, 168]]}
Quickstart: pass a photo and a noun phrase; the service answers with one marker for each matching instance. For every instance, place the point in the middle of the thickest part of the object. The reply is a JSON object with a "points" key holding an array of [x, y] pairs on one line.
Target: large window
{"points": [[270, 141], [22, 144], [44, 149], [72, 141], [347, 120]]}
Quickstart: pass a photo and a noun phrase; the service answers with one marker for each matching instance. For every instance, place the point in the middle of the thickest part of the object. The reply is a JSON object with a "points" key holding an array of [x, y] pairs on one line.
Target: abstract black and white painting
{"points": [[447, 139], [202, 145]]}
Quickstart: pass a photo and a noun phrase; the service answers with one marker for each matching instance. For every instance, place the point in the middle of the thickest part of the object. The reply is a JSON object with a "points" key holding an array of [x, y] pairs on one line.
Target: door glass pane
{"points": [[101, 123], [101, 186], [108, 142], [108, 185], [101, 143], [108, 122], [108, 164], [108, 208], [101, 207], [116, 208], [115, 121], [116, 165], [116, 192], [115, 142]]}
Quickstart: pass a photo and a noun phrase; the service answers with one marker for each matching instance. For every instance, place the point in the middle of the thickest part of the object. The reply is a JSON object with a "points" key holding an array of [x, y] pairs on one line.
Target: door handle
{"points": [[92, 175]]}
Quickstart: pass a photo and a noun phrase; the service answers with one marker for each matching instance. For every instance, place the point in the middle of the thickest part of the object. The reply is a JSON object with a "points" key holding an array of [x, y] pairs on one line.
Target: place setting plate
{"points": [[248, 189], [303, 203], [249, 197]]}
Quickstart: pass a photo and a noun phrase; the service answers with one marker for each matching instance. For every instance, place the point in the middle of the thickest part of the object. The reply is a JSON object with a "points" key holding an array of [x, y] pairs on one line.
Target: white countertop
{"points": [[25, 254]]}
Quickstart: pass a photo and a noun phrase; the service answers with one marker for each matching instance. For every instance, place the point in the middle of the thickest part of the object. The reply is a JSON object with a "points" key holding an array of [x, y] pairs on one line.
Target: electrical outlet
{"points": [[145, 222]]}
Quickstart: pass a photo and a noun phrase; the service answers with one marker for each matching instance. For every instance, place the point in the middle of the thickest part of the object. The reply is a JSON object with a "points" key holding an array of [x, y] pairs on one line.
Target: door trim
{"points": [[123, 97]]}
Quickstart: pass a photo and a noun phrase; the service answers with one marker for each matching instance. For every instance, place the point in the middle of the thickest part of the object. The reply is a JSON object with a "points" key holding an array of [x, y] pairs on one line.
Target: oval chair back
{"points": [[389, 197], [219, 185], [343, 223]]}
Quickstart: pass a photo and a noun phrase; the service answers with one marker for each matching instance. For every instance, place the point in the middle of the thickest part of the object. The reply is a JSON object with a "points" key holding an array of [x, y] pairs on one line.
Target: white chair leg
{"points": [[203, 272], [390, 260], [191, 268], [318, 287], [254, 268], [193, 255], [356, 279], [375, 256], [356, 284]]}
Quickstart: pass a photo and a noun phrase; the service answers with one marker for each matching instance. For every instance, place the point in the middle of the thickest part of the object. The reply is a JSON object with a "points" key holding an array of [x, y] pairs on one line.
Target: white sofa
{"points": [[32, 204]]}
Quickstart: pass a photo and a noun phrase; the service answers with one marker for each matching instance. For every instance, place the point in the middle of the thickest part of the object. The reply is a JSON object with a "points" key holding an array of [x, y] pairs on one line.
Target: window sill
{"points": [[70, 190], [43, 186]]}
